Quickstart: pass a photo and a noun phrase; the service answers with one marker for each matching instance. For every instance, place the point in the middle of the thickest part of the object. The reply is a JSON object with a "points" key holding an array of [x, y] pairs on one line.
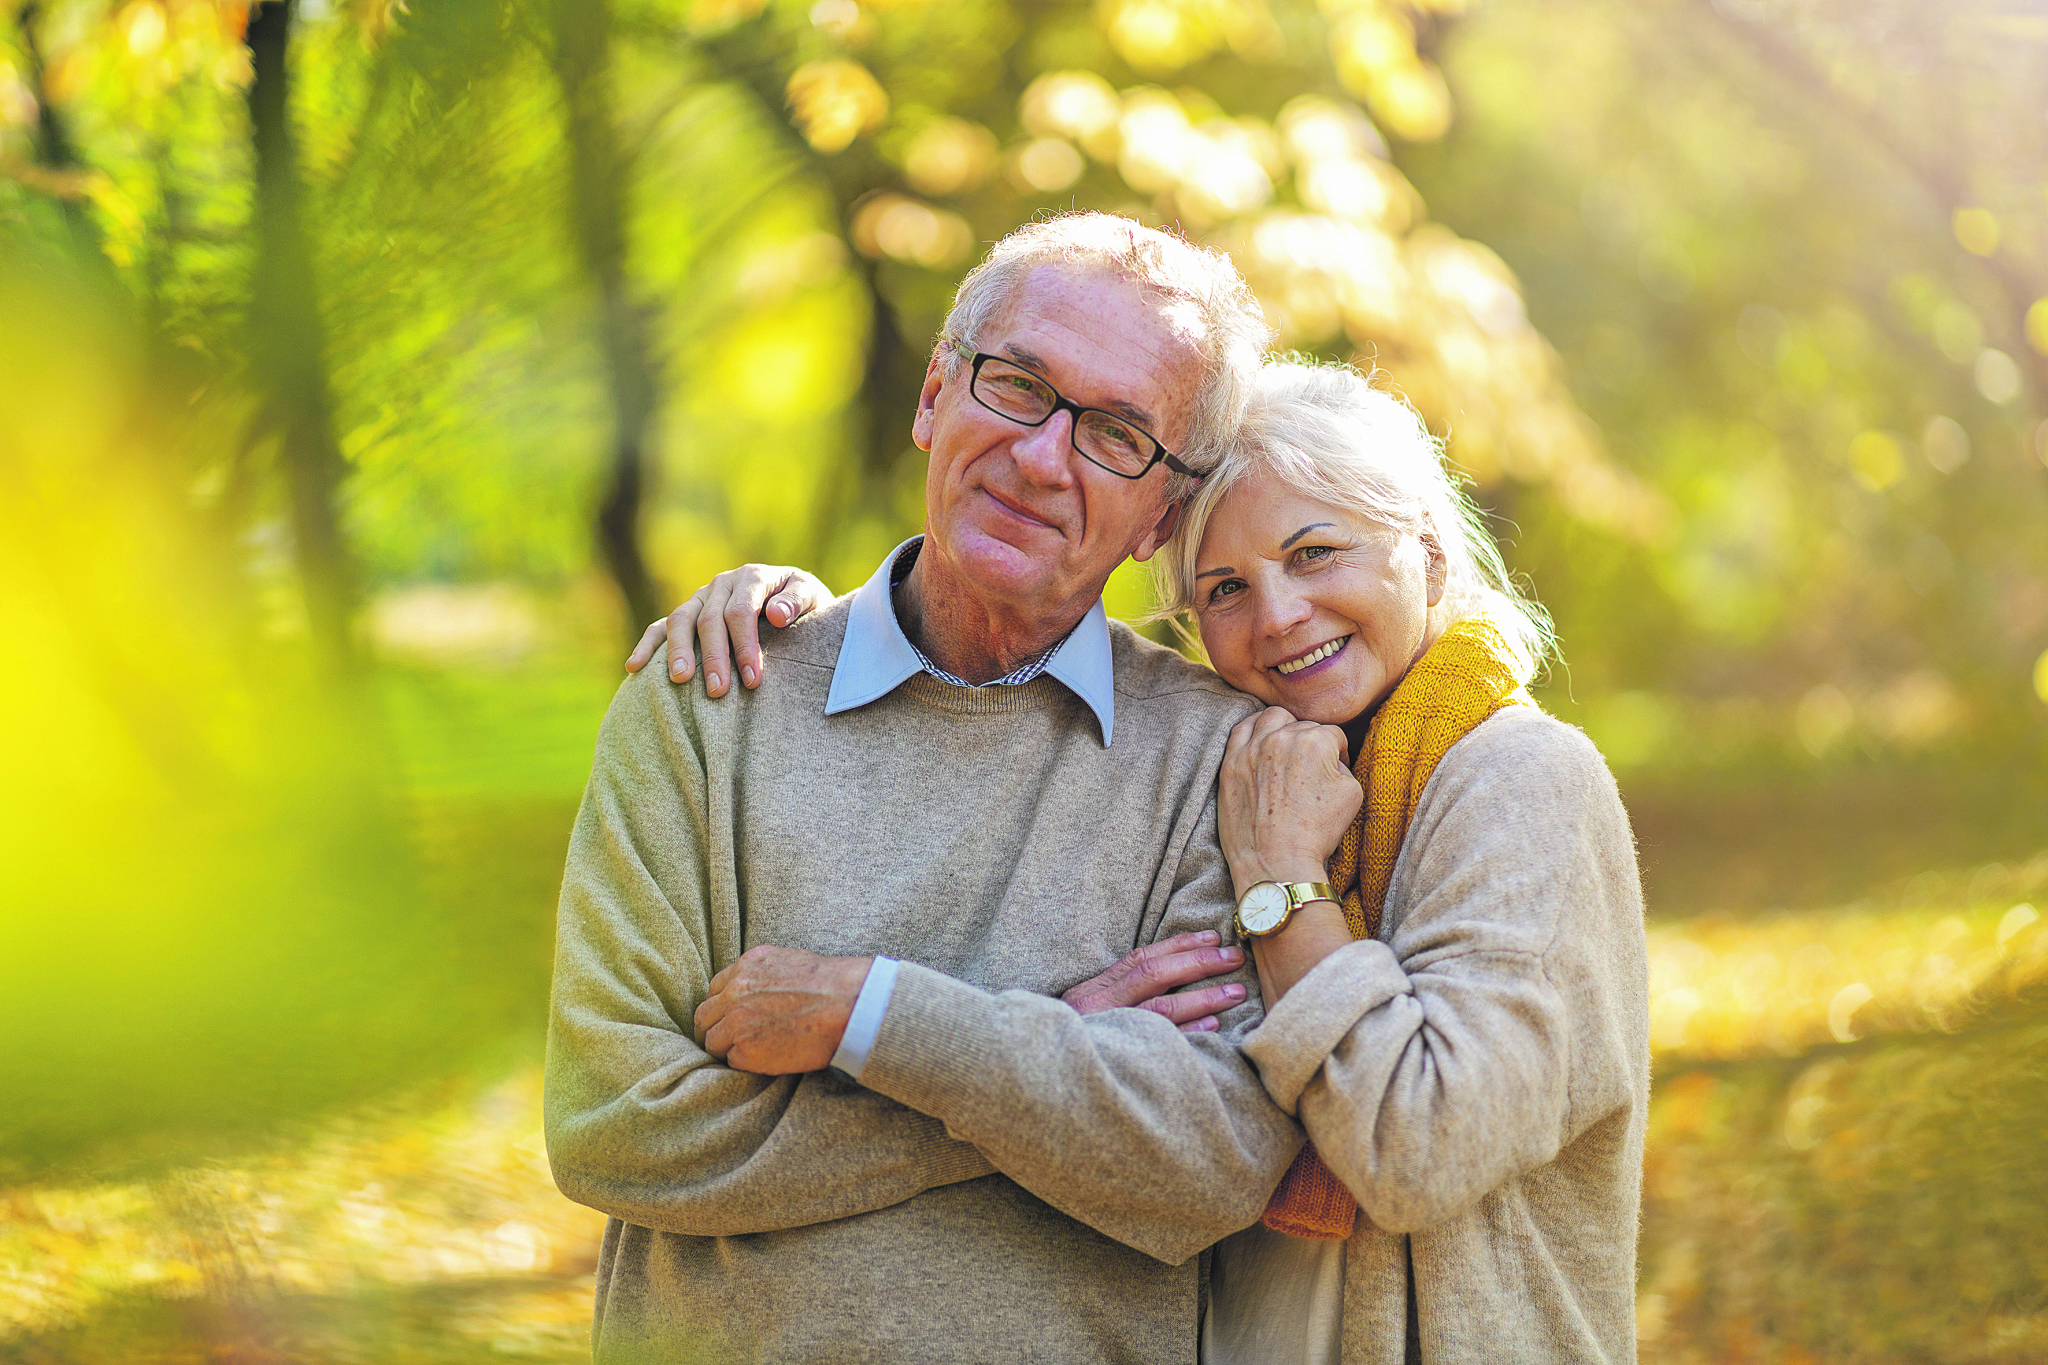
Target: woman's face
{"points": [[1310, 607]]}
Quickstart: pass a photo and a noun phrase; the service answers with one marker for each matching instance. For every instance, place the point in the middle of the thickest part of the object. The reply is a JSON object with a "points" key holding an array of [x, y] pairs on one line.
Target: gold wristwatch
{"points": [[1268, 906]]}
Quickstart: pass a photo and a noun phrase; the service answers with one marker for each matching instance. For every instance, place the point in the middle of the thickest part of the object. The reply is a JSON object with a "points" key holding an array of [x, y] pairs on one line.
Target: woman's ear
{"points": [[1437, 566]]}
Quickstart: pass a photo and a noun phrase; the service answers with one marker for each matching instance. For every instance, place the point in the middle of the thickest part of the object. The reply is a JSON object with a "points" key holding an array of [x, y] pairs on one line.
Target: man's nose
{"points": [[1045, 453]]}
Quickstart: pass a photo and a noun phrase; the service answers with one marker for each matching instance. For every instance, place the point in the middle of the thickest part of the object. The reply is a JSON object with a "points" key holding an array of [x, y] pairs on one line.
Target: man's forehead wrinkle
{"points": [[1025, 355]]}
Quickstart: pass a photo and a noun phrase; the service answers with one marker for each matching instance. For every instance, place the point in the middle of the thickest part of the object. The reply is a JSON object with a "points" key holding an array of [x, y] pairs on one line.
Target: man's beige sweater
{"points": [[1013, 1181]]}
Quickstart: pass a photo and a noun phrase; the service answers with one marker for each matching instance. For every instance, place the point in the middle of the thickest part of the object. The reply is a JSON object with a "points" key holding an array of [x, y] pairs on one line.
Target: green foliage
{"points": [[1764, 283]]}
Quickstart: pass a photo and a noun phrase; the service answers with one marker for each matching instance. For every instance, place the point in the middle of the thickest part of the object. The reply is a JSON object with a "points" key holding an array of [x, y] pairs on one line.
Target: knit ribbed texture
{"points": [[1467, 675], [1010, 1180]]}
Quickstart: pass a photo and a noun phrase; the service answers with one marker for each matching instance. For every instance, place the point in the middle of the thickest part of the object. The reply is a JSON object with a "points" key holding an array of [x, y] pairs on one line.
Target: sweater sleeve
{"points": [[1506, 1015], [1162, 1140], [642, 1123]]}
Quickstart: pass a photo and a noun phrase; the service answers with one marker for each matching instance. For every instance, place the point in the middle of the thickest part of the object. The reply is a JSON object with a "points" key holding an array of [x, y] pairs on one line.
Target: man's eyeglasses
{"points": [[1102, 438]]}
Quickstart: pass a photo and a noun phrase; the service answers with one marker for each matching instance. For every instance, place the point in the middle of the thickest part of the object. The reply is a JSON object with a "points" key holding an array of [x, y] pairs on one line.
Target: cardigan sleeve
{"points": [[1162, 1140], [642, 1123], [1505, 1015]]}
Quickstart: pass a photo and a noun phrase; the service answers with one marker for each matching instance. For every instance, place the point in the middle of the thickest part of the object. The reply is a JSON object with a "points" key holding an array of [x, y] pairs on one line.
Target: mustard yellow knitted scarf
{"points": [[1467, 675]]}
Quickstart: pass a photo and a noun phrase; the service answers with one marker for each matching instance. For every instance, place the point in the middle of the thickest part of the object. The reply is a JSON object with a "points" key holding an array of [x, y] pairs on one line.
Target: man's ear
{"points": [[928, 400], [1161, 529]]}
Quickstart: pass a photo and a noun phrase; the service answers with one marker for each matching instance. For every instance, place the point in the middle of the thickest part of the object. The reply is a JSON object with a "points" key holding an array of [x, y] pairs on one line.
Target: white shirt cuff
{"points": [[865, 1023]]}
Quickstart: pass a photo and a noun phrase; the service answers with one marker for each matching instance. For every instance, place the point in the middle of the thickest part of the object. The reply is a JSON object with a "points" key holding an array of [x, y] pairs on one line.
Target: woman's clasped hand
{"points": [[1285, 796]]}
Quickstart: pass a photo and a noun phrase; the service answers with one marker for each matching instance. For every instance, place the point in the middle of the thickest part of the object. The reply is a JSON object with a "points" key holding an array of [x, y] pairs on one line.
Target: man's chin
{"points": [[990, 564]]}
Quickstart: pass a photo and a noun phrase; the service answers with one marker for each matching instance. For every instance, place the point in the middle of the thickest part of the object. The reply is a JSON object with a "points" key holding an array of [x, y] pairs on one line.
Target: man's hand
{"points": [[780, 1011], [1143, 977]]}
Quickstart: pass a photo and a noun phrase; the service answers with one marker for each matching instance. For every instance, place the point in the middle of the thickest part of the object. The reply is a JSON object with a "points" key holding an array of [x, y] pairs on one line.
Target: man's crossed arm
{"points": [[1163, 1140]]}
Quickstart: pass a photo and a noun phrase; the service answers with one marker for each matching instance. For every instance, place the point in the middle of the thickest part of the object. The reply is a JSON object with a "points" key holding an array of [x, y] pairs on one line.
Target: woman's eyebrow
{"points": [[1211, 573], [1288, 543]]}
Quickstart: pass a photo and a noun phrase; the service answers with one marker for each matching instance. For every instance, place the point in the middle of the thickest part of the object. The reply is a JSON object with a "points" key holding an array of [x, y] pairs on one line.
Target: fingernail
{"points": [[1233, 992], [1207, 937], [1233, 954], [713, 681], [747, 674]]}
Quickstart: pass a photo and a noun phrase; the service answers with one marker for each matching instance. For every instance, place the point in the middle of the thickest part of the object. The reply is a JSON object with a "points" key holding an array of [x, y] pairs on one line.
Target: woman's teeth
{"points": [[1314, 656]]}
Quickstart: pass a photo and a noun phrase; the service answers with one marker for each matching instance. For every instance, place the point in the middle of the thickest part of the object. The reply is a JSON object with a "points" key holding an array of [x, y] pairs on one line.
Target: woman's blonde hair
{"points": [[1327, 433]]}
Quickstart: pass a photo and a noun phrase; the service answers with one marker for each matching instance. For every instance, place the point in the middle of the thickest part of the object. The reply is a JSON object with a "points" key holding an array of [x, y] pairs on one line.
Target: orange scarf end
{"points": [[1311, 1202]]}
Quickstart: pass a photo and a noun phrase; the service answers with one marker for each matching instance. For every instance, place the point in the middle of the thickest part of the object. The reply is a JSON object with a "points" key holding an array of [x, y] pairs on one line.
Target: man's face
{"points": [[1020, 518]]}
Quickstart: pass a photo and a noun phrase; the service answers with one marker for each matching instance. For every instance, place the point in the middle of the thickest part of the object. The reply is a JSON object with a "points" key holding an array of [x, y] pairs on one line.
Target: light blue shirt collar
{"points": [[875, 658]]}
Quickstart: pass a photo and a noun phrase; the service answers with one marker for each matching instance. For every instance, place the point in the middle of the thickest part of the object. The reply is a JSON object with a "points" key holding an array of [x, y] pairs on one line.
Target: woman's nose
{"points": [[1281, 612]]}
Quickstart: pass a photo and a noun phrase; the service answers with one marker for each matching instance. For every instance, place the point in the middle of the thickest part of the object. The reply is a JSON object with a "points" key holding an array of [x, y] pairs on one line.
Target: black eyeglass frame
{"points": [[1061, 403]]}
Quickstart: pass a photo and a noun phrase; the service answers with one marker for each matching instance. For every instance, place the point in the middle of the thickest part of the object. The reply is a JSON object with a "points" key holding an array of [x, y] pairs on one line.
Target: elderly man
{"points": [[807, 1048]]}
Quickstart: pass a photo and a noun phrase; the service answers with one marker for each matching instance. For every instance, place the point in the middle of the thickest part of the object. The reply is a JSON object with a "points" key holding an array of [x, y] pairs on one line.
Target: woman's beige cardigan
{"points": [[1480, 1075]]}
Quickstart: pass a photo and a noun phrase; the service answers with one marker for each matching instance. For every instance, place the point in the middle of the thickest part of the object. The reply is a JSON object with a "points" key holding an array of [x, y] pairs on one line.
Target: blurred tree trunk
{"points": [[892, 374], [286, 344], [55, 150], [597, 210], [890, 384]]}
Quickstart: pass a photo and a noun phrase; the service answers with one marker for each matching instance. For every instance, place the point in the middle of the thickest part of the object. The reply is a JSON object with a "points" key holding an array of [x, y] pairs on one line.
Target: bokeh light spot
{"points": [[1997, 375], [1077, 105], [904, 229], [1876, 460], [950, 156], [1977, 230], [1842, 1010], [1048, 164], [1823, 717], [2037, 326], [834, 102], [1945, 444], [1957, 333]]}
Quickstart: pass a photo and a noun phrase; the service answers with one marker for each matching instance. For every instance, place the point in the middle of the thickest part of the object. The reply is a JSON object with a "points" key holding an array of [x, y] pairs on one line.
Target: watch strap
{"points": [[1301, 893]]}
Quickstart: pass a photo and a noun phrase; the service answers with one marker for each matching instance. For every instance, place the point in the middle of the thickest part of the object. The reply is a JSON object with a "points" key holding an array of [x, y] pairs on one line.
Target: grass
{"points": [[421, 1229], [1724, 987]]}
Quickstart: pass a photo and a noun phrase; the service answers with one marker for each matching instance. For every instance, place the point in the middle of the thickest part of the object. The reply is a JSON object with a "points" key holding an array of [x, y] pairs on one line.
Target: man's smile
{"points": [[1017, 510]]}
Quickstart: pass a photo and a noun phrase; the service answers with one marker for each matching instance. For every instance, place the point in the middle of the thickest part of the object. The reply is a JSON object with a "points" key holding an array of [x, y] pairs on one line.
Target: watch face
{"points": [[1263, 909]]}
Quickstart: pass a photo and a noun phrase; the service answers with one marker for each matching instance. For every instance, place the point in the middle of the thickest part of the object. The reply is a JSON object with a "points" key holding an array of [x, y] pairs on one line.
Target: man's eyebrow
{"points": [[1211, 573], [1128, 411], [1288, 543]]}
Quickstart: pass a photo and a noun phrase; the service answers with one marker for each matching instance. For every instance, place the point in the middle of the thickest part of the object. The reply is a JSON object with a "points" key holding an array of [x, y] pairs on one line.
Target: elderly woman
{"points": [[1439, 888]]}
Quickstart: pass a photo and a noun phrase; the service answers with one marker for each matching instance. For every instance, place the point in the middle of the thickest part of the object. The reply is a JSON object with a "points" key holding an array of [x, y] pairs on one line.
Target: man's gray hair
{"points": [[1326, 433], [1199, 289]]}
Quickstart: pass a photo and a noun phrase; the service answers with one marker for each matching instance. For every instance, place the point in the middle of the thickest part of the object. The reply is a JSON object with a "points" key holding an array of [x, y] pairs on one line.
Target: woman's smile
{"points": [[1322, 653]]}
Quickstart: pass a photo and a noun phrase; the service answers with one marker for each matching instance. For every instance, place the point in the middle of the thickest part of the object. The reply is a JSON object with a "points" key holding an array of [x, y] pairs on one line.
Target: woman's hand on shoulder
{"points": [[724, 616], [1284, 798]]}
